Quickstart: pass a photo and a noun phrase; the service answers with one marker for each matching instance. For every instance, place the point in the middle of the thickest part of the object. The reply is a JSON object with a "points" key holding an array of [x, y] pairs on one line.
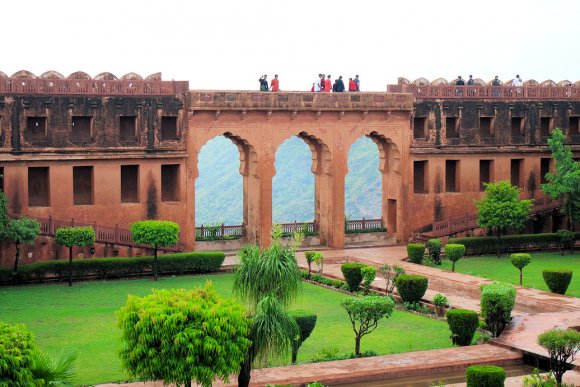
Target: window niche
{"points": [[35, 129], [516, 172], [38, 187], [420, 127], [486, 127], [545, 163], [452, 127], [81, 129], [128, 129], [170, 183], [573, 126], [486, 173], [129, 184], [452, 175], [516, 127], [420, 177], [169, 128], [546, 126], [83, 185]]}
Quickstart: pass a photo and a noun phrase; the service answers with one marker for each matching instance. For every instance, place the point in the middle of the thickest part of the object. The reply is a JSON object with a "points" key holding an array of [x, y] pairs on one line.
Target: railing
{"points": [[103, 234], [85, 86], [307, 227], [219, 232], [469, 221], [492, 92], [363, 224]]}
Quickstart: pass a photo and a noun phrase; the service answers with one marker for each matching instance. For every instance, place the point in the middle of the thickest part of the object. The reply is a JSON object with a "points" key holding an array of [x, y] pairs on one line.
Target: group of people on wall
{"points": [[517, 81], [322, 84]]}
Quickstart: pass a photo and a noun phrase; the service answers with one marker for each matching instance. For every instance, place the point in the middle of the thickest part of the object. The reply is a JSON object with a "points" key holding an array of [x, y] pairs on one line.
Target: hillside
{"points": [[218, 195]]}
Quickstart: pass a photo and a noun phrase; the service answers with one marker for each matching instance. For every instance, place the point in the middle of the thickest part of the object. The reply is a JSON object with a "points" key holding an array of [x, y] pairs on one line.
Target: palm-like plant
{"points": [[47, 371], [268, 281]]}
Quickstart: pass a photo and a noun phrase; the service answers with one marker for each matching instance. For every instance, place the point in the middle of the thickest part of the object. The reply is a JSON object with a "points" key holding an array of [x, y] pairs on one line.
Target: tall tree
{"points": [[22, 231], [502, 209], [268, 281], [156, 233], [564, 182], [74, 236]]}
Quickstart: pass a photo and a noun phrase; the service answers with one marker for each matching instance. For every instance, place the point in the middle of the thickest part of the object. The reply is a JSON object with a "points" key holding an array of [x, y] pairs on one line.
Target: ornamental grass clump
{"points": [[454, 252], [463, 323], [352, 273], [411, 287], [485, 376], [520, 261], [497, 302], [557, 280], [416, 252]]}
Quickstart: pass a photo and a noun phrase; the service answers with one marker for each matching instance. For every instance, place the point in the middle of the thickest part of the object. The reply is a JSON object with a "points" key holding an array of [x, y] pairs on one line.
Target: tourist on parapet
{"points": [[339, 85], [459, 90], [496, 82], [263, 83], [327, 84], [357, 83], [316, 84], [517, 83], [275, 84], [334, 85], [471, 81], [322, 83], [351, 85]]}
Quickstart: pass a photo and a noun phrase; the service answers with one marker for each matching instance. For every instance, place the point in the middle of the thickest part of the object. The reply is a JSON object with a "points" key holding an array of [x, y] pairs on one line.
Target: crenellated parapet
{"points": [[480, 82]]}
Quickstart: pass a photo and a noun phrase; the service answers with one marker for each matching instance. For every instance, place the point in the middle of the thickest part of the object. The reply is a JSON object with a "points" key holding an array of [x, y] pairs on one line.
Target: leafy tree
{"points": [[183, 336], [390, 274], [268, 281], [501, 209], [564, 183], [74, 236], [520, 261], [22, 231], [365, 313], [16, 348], [562, 346], [156, 233]]}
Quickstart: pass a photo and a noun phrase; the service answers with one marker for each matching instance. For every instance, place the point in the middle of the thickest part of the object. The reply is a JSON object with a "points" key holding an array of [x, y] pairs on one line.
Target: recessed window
{"points": [[81, 129], [82, 185], [544, 169], [170, 183], [420, 178], [1, 178], [516, 172], [516, 126], [419, 127], [168, 128], [452, 127], [574, 126], [451, 175], [486, 126], [546, 126], [127, 132], [485, 173], [38, 187], [35, 129], [129, 183]]}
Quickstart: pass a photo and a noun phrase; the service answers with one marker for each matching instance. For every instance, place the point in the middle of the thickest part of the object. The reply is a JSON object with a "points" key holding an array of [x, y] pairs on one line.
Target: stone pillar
{"points": [[188, 234]]}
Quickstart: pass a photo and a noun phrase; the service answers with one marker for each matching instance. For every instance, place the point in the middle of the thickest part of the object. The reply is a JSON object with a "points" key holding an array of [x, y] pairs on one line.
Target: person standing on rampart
{"points": [[263, 83], [357, 83], [275, 84], [339, 85], [327, 84], [351, 85], [495, 83]]}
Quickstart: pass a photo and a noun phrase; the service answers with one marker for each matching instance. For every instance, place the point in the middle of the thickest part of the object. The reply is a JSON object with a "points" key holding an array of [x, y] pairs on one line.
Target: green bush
{"points": [[510, 243], [16, 355], [565, 239], [369, 273], [557, 280], [191, 262], [463, 323], [454, 252], [411, 287], [434, 246], [485, 376], [497, 302], [519, 261], [306, 322], [352, 273], [416, 251]]}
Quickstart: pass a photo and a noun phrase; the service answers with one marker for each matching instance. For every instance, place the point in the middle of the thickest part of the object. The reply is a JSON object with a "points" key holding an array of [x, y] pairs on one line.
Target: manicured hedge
{"points": [[557, 280], [192, 262], [463, 323], [509, 243], [485, 376], [411, 287], [352, 275], [416, 252], [497, 302]]}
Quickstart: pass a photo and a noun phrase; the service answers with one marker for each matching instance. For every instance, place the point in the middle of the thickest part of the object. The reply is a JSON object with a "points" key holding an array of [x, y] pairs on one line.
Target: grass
{"points": [[501, 269], [82, 318]]}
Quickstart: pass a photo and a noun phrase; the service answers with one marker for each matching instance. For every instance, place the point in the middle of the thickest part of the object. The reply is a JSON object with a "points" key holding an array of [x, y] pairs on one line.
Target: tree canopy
{"points": [[22, 231], [156, 233]]}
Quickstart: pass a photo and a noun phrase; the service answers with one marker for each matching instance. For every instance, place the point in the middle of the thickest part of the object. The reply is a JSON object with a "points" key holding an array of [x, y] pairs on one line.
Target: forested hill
{"points": [[218, 189]]}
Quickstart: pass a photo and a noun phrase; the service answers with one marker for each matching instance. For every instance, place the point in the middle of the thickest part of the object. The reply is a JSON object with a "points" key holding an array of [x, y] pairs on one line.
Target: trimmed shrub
{"points": [[369, 273], [434, 246], [454, 252], [306, 322], [416, 252], [485, 376], [565, 240], [180, 263], [463, 323], [557, 280], [440, 302], [520, 261], [411, 287], [352, 274], [497, 302], [562, 346]]}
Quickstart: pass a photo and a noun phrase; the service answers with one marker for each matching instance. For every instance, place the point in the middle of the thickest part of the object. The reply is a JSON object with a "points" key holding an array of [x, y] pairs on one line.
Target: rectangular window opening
{"points": [[129, 184], [170, 183], [486, 126], [516, 127], [168, 128], [546, 126], [82, 185], [516, 175], [420, 177], [485, 173], [2, 179], [81, 129], [127, 132], [544, 168], [35, 129], [419, 126], [451, 129], [38, 187], [451, 175], [574, 126]]}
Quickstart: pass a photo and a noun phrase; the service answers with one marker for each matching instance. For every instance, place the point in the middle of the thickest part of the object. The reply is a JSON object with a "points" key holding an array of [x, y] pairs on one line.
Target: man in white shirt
{"points": [[517, 81], [316, 84]]}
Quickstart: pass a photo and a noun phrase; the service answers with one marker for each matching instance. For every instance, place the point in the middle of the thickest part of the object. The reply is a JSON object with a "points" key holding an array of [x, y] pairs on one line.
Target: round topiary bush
{"points": [[416, 251], [463, 323], [557, 280], [411, 287], [352, 274], [519, 261], [454, 252], [485, 376]]}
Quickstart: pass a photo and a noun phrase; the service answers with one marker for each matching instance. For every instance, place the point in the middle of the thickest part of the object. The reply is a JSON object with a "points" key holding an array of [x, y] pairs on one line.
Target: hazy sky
{"points": [[229, 44]]}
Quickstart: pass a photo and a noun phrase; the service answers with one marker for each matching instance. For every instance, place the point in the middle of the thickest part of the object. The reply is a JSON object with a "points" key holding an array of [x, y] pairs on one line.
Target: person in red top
{"points": [[327, 85], [275, 84], [351, 85]]}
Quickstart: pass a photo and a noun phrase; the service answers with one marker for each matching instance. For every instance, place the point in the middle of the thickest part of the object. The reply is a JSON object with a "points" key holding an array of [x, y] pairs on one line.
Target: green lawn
{"points": [[501, 269], [83, 318]]}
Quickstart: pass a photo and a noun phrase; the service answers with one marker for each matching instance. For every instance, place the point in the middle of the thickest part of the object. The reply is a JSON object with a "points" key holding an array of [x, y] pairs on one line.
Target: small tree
{"points": [[501, 209], [306, 322], [183, 336], [369, 273], [365, 313], [22, 231], [454, 252], [497, 302], [16, 355], [434, 246], [156, 233], [562, 346], [74, 236], [390, 274], [309, 255], [520, 261]]}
